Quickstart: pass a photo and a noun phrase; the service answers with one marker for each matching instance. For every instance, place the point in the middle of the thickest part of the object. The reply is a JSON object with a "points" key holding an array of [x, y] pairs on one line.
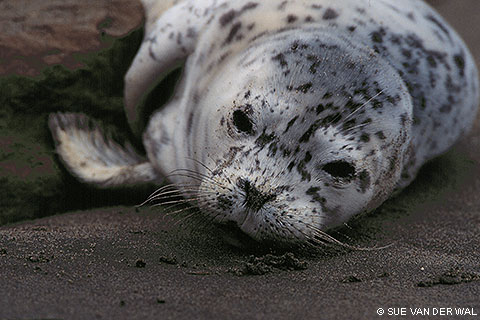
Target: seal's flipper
{"points": [[94, 158], [154, 9], [168, 42]]}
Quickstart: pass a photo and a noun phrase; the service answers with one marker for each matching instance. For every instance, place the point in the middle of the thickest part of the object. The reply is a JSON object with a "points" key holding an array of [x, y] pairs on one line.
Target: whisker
{"points": [[358, 127], [186, 176], [191, 172], [322, 235], [363, 105], [170, 188], [185, 193], [180, 201], [200, 163], [179, 221]]}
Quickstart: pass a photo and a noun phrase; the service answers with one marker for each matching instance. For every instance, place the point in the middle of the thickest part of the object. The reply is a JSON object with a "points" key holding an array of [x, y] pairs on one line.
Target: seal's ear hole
{"points": [[340, 169], [242, 122]]}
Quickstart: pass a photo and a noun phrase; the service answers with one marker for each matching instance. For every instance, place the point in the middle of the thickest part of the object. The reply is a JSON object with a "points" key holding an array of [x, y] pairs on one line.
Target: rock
{"points": [[88, 78], [36, 33]]}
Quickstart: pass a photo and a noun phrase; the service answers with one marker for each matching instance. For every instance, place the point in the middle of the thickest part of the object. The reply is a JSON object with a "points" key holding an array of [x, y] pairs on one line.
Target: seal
{"points": [[290, 116]]}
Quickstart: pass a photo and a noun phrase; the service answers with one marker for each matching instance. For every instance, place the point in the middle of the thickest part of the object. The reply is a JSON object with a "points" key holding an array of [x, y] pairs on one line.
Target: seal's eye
{"points": [[339, 169], [242, 122]]}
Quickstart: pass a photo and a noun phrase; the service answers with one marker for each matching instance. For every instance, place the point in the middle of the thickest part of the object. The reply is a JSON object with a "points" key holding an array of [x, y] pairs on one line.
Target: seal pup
{"points": [[290, 116]]}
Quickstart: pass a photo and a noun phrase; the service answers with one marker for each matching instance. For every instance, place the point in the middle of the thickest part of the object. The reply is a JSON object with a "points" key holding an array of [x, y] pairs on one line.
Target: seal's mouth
{"points": [[254, 201], [241, 224], [234, 235]]}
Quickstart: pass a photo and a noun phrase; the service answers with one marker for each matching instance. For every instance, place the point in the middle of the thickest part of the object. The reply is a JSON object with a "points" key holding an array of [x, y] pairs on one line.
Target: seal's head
{"points": [[308, 131]]}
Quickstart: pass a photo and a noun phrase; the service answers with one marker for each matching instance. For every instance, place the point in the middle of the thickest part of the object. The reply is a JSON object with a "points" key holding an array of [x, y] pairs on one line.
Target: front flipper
{"points": [[94, 158], [168, 42], [154, 9]]}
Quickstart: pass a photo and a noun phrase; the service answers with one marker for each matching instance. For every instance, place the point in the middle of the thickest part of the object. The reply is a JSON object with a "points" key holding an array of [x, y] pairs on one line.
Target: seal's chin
{"points": [[251, 223], [234, 235]]}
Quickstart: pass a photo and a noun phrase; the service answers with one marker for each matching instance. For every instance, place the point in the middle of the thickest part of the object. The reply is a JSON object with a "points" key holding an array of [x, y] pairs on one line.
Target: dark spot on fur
{"points": [[377, 37], [291, 18], [227, 17], [249, 6], [350, 104], [304, 87], [311, 130], [223, 202], [313, 67], [330, 14], [233, 32], [264, 139], [291, 165], [360, 10], [308, 157], [377, 104], [313, 192], [191, 33], [320, 108], [290, 124], [380, 135], [364, 137], [332, 119], [440, 25], [423, 102], [294, 46], [327, 95], [364, 178], [189, 123], [349, 124], [431, 61], [179, 38], [281, 59], [460, 63], [407, 53], [446, 108], [304, 173], [282, 5]]}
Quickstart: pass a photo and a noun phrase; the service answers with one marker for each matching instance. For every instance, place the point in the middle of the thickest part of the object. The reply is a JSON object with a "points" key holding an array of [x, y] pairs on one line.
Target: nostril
{"points": [[254, 199], [245, 185]]}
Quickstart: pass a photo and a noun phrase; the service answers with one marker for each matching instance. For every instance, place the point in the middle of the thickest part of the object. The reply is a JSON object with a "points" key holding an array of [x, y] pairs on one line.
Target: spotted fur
{"points": [[292, 116]]}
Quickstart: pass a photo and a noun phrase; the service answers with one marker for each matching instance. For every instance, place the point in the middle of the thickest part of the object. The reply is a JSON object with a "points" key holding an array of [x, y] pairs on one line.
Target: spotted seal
{"points": [[290, 116]]}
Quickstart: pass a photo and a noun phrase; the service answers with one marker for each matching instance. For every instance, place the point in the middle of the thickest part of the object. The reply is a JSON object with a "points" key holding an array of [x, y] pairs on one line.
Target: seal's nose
{"points": [[254, 199]]}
